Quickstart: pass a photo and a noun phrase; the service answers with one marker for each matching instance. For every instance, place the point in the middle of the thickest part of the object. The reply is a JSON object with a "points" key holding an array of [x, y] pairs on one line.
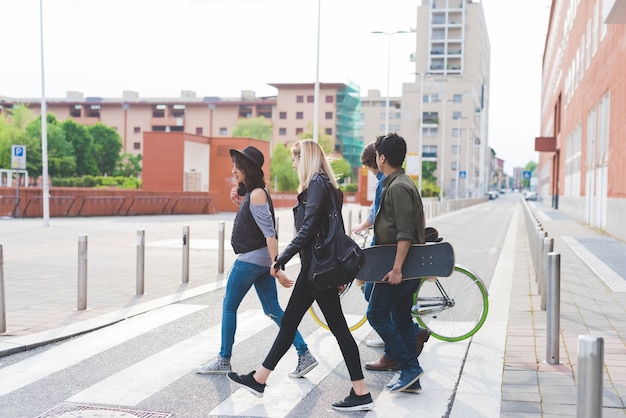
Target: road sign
{"points": [[526, 174], [18, 157], [462, 174]]}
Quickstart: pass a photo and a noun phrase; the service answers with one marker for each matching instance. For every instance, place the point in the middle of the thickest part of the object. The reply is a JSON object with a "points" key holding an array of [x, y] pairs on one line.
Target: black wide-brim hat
{"points": [[251, 154]]}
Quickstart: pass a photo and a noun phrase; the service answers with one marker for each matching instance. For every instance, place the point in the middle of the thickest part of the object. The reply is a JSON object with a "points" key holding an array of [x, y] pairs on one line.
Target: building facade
{"points": [[445, 110], [582, 142]]}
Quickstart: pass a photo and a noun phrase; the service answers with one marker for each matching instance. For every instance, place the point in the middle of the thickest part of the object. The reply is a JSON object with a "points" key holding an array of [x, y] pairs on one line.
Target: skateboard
{"points": [[436, 259]]}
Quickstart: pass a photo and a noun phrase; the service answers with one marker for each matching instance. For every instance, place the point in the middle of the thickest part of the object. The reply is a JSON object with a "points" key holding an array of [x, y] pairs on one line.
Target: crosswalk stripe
{"points": [[143, 379], [284, 393], [72, 352]]}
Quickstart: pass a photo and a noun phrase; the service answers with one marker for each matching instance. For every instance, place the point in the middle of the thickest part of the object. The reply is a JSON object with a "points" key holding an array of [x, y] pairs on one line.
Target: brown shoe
{"points": [[382, 364], [422, 337]]}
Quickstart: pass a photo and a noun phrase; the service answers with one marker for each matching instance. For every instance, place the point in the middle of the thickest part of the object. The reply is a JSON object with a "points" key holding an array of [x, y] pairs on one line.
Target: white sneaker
{"points": [[306, 363], [218, 365], [376, 342]]}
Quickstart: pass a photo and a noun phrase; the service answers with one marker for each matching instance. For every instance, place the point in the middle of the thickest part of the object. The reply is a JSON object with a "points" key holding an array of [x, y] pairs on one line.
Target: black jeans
{"points": [[303, 295]]}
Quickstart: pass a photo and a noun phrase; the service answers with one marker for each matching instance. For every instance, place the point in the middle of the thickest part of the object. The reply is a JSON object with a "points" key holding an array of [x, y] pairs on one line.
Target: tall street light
{"points": [[458, 156], [316, 89], [44, 131], [420, 135], [389, 35], [443, 147]]}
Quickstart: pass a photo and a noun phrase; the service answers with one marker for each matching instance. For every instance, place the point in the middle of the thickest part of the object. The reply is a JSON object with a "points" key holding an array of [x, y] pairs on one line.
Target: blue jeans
{"points": [[241, 277], [389, 313]]}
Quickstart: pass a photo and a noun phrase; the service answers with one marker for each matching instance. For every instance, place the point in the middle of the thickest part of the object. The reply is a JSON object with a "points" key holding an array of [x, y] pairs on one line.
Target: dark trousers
{"points": [[301, 299]]}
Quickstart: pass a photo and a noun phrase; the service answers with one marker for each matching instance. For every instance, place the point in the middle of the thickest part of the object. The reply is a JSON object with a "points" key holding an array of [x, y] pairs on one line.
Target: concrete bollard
{"points": [[220, 248], [82, 272], [589, 377], [3, 311], [185, 278], [141, 261], [547, 247], [553, 314]]}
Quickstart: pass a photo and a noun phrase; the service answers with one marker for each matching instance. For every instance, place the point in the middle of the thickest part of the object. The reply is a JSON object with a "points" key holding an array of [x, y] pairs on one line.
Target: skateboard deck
{"points": [[436, 259]]}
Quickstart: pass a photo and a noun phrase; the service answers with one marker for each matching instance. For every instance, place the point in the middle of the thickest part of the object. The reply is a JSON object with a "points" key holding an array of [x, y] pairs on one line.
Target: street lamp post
{"points": [[443, 147], [458, 156], [389, 35], [421, 133]]}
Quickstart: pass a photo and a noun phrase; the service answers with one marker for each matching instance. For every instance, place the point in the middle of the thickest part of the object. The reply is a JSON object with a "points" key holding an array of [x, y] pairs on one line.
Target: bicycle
{"points": [[453, 308]]}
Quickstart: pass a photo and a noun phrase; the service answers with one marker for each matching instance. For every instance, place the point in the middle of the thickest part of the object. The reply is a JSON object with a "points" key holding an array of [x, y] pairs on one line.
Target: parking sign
{"points": [[18, 157]]}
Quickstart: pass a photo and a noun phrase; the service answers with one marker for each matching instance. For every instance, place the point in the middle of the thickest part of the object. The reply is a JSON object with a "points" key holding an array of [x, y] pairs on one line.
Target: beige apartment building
{"points": [[582, 142], [445, 110]]}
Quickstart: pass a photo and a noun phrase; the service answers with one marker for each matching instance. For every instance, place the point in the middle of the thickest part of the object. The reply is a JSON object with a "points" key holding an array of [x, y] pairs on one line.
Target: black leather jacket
{"points": [[311, 220]]}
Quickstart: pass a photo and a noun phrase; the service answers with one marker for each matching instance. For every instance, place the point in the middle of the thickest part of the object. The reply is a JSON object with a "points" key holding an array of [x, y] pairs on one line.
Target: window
{"points": [[94, 111], [330, 99], [176, 128], [76, 110], [298, 131], [299, 99], [455, 132], [328, 115], [159, 128], [136, 145], [299, 115], [282, 131], [430, 117], [430, 132], [454, 165], [456, 115], [310, 99], [178, 110], [282, 115], [457, 98], [223, 131], [199, 130], [158, 111], [137, 130], [328, 131], [429, 151], [456, 149]]}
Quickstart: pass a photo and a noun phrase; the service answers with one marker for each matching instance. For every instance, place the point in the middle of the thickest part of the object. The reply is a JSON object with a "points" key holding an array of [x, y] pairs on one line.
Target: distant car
{"points": [[530, 196], [493, 194]]}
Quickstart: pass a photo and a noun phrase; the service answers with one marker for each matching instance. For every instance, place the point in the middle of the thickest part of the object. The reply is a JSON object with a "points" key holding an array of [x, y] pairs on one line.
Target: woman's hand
{"points": [[234, 196], [283, 279]]}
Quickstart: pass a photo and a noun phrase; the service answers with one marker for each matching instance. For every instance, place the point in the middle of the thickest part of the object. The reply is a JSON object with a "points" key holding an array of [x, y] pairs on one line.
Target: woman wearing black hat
{"points": [[255, 243]]}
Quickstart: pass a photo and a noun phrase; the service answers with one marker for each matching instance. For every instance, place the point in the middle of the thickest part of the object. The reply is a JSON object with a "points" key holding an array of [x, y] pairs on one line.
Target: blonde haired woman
{"points": [[317, 183]]}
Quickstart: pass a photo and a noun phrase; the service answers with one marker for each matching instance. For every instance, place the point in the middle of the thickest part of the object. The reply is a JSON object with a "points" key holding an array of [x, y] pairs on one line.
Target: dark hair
{"points": [[254, 175], [393, 147], [368, 156]]}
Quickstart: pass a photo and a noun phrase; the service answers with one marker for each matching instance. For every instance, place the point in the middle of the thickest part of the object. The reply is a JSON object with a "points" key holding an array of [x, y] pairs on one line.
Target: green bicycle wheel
{"points": [[452, 308]]}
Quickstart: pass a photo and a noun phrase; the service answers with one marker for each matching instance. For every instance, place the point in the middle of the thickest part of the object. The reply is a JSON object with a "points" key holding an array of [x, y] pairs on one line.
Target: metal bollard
{"points": [[547, 247], [589, 378], [185, 254], [349, 227], [220, 248], [141, 260], [277, 226], [538, 252], [553, 314], [82, 272], [3, 312]]}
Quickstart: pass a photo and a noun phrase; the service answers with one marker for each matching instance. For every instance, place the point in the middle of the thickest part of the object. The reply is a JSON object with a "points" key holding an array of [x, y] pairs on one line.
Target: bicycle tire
{"points": [[462, 316], [353, 305]]}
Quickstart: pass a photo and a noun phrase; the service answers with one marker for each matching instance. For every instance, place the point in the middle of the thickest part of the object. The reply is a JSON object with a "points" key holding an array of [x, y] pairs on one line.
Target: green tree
{"points": [[13, 132], [81, 139], [341, 168], [107, 146], [282, 176], [128, 165], [259, 128], [61, 158]]}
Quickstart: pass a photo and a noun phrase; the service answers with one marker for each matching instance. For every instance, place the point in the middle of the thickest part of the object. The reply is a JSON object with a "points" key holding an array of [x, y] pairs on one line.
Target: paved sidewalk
{"points": [[588, 306], [41, 307]]}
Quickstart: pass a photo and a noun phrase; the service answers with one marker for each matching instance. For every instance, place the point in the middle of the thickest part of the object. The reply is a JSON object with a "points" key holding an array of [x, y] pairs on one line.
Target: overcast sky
{"points": [[220, 47]]}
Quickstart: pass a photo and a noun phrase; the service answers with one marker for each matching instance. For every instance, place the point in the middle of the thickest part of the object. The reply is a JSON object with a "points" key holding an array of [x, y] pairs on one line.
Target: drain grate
{"points": [[68, 410]]}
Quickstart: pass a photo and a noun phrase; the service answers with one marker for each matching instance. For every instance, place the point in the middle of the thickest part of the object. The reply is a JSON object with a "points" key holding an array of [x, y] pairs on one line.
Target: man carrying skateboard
{"points": [[400, 221]]}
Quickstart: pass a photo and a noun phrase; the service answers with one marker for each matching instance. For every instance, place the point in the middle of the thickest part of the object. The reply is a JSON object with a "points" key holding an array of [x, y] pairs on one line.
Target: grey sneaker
{"points": [[306, 363], [219, 365]]}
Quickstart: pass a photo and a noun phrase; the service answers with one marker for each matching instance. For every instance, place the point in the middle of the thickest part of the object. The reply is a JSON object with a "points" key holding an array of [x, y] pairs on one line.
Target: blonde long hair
{"points": [[312, 160]]}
